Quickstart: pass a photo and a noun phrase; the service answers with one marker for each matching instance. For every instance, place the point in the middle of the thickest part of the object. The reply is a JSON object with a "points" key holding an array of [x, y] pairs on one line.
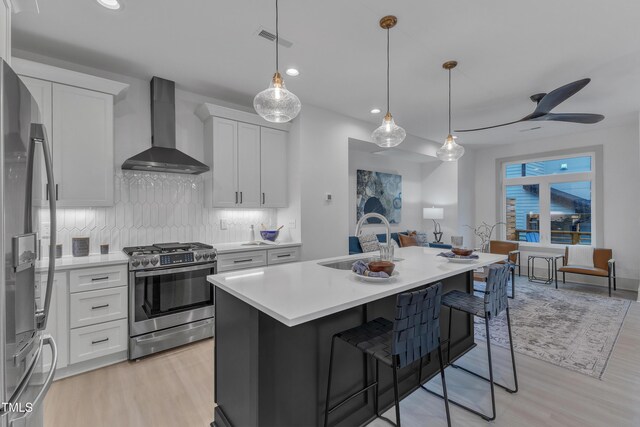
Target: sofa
{"points": [[354, 243]]}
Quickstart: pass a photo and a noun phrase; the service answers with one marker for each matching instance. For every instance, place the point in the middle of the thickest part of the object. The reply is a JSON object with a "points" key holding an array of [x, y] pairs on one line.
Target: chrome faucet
{"points": [[386, 251]]}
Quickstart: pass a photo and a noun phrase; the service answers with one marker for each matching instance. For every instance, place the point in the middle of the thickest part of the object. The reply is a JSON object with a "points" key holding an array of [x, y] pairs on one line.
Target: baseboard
{"points": [[622, 283], [90, 365]]}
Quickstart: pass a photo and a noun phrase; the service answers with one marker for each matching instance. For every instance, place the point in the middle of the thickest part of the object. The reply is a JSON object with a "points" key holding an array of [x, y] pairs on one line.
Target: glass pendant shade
{"points": [[450, 150], [389, 134], [276, 104]]}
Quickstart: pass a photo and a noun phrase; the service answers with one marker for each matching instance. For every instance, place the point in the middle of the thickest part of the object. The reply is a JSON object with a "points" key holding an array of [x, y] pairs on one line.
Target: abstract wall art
{"points": [[378, 192]]}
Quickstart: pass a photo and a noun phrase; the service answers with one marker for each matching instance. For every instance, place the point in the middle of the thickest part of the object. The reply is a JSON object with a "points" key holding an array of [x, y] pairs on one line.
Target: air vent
{"points": [[272, 37]]}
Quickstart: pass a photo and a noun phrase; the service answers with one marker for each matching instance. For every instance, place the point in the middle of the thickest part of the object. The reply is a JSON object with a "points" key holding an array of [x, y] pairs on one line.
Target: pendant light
{"points": [[276, 104], [450, 150], [389, 134]]}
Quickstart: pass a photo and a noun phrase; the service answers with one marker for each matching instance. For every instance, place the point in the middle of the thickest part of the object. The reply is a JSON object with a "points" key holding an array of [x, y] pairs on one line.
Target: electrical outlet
{"points": [[223, 224], [328, 197], [45, 230], [292, 224]]}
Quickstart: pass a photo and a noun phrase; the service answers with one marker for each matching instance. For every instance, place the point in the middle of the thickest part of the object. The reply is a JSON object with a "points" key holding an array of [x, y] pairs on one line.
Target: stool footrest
{"points": [[510, 390], [357, 393]]}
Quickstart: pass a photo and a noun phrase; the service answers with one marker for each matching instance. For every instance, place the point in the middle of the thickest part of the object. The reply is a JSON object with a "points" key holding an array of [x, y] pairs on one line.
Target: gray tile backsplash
{"points": [[152, 208]]}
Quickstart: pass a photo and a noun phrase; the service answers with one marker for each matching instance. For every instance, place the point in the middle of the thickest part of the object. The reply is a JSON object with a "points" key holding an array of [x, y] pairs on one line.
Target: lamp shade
{"points": [[432, 213]]}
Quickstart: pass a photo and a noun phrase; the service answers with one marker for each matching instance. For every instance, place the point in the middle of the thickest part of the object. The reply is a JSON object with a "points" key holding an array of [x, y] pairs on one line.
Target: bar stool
{"points": [[495, 301], [414, 333]]}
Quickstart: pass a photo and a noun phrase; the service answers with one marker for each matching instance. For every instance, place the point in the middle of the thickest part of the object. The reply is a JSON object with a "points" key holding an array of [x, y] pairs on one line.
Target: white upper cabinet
{"points": [[248, 160], [273, 172], [223, 182], [249, 165], [83, 146], [77, 112]]}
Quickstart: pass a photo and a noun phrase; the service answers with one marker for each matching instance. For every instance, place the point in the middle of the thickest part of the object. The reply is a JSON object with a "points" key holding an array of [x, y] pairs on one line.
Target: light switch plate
{"points": [[223, 224], [292, 224]]}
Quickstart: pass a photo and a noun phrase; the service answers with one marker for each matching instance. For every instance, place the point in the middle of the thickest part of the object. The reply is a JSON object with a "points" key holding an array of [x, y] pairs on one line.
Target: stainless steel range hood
{"points": [[163, 155]]}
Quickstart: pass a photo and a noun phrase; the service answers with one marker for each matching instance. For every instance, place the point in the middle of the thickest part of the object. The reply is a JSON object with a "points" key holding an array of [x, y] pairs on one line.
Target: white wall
{"points": [[621, 176], [411, 173]]}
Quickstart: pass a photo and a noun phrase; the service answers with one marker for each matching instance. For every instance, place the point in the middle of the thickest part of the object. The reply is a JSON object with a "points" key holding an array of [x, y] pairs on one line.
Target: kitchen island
{"points": [[273, 333]]}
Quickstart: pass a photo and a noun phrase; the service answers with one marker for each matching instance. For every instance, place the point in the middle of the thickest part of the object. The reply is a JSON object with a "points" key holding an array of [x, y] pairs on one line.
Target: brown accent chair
{"points": [[512, 250], [603, 266], [407, 240]]}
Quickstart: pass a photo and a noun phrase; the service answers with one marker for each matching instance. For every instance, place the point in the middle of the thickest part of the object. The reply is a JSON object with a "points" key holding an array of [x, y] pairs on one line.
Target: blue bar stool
{"points": [[414, 333], [493, 303]]}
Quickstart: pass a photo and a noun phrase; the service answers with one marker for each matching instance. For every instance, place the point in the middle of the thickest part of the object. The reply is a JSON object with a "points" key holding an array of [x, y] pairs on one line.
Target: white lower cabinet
{"points": [[103, 305], [98, 340], [88, 317], [241, 260], [58, 319], [283, 255]]}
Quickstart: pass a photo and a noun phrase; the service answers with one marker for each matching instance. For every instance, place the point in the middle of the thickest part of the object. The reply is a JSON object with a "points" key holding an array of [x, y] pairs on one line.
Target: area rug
{"points": [[569, 328]]}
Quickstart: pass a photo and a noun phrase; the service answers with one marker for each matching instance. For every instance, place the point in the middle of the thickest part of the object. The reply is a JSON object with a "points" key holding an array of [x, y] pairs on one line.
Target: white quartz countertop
{"points": [[70, 262], [300, 292], [224, 248]]}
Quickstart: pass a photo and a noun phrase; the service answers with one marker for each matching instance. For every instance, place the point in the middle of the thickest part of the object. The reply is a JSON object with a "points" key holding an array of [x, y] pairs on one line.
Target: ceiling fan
{"points": [[547, 102]]}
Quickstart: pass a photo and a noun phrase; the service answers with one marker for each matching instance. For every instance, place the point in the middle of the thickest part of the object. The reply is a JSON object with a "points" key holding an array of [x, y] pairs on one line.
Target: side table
{"points": [[531, 260]]}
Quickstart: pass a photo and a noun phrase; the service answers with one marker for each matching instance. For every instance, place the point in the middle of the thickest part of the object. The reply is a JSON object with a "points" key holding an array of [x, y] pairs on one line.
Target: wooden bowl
{"points": [[386, 266], [462, 251]]}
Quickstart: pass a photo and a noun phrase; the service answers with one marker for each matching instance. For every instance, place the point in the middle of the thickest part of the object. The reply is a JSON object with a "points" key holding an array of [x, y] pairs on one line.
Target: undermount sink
{"points": [[345, 264]]}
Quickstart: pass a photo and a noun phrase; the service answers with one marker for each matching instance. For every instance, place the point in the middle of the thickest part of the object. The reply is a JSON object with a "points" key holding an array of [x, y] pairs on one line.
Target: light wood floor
{"points": [[175, 388]]}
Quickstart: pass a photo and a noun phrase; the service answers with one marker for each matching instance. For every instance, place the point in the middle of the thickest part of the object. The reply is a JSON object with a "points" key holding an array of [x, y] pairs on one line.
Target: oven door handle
{"points": [[166, 271]]}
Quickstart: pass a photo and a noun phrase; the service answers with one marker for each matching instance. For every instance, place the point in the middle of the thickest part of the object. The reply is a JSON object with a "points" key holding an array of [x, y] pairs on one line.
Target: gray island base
{"points": [[268, 373]]}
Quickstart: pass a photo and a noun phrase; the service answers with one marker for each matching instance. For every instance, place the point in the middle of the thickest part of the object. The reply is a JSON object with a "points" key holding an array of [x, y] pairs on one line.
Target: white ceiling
{"points": [[507, 51]]}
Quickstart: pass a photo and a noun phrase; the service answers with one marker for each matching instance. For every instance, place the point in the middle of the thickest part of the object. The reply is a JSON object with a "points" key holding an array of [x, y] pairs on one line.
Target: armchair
{"points": [[604, 265], [512, 250]]}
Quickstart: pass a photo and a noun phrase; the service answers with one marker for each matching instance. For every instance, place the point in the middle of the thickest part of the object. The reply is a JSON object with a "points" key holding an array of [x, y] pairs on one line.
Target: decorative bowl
{"points": [[386, 266], [462, 251], [270, 235]]}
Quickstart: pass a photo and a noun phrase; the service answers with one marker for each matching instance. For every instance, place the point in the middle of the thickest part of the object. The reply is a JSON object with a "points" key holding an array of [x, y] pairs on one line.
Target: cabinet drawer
{"points": [[281, 256], [241, 260], [103, 305], [98, 340], [90, 279]]}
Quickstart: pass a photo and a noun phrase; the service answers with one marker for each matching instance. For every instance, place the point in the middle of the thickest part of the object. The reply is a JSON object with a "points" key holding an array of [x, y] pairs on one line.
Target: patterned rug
{"points": [[569, 328]]}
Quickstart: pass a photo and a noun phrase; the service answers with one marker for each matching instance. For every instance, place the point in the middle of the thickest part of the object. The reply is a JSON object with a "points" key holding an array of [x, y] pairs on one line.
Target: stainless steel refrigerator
{"points": [[24, 149]]}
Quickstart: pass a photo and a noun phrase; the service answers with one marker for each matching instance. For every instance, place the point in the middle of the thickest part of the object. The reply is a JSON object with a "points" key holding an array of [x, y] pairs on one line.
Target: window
{"points": [[550, 200]]}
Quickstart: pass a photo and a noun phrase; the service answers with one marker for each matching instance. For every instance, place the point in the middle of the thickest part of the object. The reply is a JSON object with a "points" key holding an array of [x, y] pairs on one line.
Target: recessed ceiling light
{"points": [[110, 4], [375, 111], [293, 72]]}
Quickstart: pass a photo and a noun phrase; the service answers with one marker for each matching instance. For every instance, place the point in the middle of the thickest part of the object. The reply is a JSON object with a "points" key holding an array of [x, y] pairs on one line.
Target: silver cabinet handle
{"points": [[284, 256], [237, 261], [57, 192], [96, 279], [236, 197], [263, 199], [241, 197], [96, 307], [99, 341]]}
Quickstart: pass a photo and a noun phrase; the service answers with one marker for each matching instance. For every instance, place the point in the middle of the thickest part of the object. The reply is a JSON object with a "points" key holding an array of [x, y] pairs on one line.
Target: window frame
{"points": [[544, 195]]}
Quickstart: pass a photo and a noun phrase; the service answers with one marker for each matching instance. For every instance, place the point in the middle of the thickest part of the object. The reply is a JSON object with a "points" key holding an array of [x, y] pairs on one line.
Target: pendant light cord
{"points": [[388, 68], [277, 38], [449, 101]]}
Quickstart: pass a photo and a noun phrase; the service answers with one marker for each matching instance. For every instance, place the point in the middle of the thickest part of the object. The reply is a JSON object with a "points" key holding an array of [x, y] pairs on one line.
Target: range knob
{"points": [[154, 260], [145, 261], [135, 262], [198, 256]]}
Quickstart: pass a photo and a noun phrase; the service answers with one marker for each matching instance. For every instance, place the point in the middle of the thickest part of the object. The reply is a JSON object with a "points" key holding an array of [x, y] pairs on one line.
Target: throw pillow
{"points": [[369, 242], [422, 238], [406, 241]]}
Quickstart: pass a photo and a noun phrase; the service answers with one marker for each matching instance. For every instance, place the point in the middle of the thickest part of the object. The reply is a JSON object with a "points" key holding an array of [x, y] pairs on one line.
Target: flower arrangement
{"points": [[484, 231]]}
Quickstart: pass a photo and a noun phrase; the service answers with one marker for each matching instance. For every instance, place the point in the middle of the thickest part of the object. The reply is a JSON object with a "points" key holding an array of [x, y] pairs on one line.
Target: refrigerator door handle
{"points": [[46, 340], [39, 136]]}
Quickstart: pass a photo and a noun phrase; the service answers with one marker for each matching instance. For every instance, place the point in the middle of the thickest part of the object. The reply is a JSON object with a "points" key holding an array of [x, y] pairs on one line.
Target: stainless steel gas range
{"points": [[170, 300]]}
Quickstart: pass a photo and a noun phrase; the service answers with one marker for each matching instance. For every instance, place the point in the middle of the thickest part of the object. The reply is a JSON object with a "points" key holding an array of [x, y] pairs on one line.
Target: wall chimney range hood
{"points": [[163, 155]]}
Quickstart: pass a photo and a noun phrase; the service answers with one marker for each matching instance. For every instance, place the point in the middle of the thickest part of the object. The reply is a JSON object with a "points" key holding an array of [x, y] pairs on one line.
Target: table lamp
{"points": [[434, 213]]}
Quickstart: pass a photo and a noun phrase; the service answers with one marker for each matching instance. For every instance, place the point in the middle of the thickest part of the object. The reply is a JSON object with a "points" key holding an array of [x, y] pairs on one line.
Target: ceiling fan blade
{"points": [[559, 95], [584, 118], [491, 127]]}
